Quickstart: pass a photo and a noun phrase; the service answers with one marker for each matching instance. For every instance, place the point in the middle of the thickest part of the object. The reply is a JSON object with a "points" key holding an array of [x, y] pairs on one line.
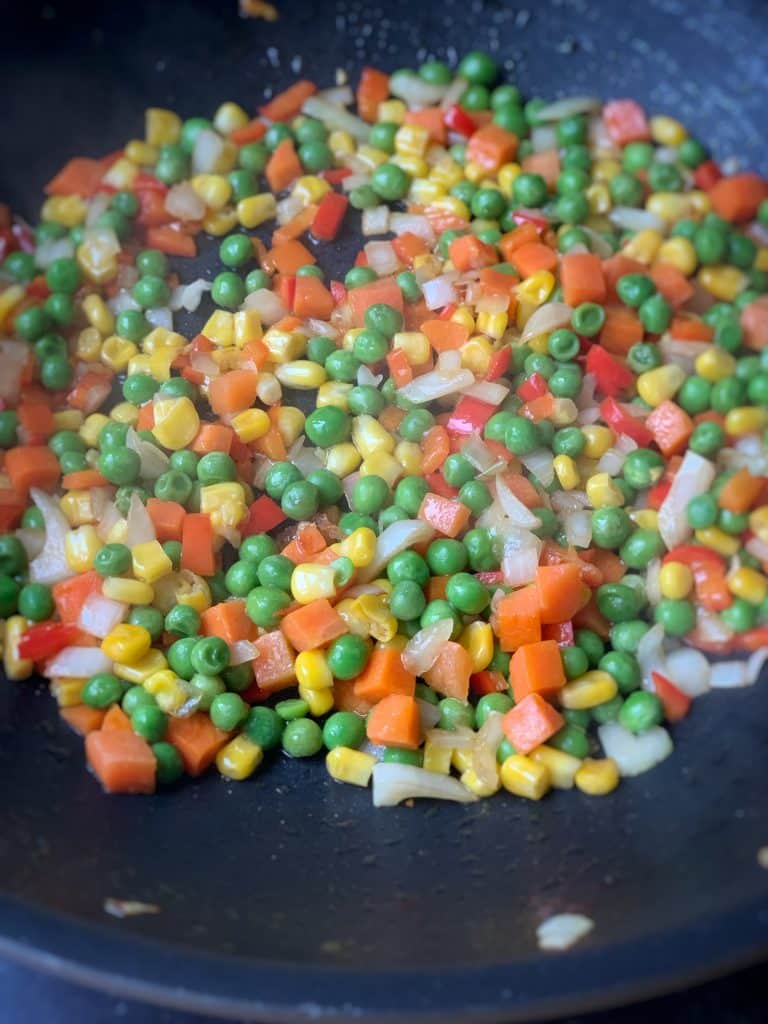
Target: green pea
{"points": [[343, 729], [635, 289], [365, 399], [548, 520], [565, 382], [9, 423], [168, 762], [610, 527], [478, 67], [591, 644], [572, 208], [370, 494], [134, 697], [529, 190], [407, 600], [253, 157], [328, 486], [626, 189], [300, 500], [511, 117], [408, 565], [710, 243], [575, 661], [676, 617], [243, 184], [390, 182], [624, 668], [228, 710], [521, 435], [437, 610], [102, 691], [352, 521], [588, 319], [643, 356], [228, 290], [264, 604], [273, 571], [264, 727], [663, 177], [13, 557], [489, 702], [642, 468], [569, 238], [347, 656], [327, 426], [727, 394], [734, 523], [408, 284], [178, 387], [694, 395], [641, 711], [182, 620], [139, 388], [9, 595], [467, 594], [445, 557], [210, 655], [35, 602], [148, 618], [617, 602], [150, 723], [740, 616], [480, 550], [63, 275], [216, 468], [456, 714], [235, 250], [316, 156], [120, 465], [625, 636], [151, 291], [563, 344], [707, 438], [205, 689], [256, 280], [173, 485], [476, 496], [72, 462], [571, 739], [640, 548], [302, 737]]}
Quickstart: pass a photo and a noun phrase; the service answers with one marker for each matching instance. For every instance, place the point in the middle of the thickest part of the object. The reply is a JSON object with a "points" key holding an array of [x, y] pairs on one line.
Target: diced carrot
{"points": [[525, 234], [450, 672], [372, 90], [517, 619], [308, 541], [384, 674], [590, 617], [625, 121], [617, 266], [608, 562], [491, 146], [233, 391], [445, 335], [546, 163], [559, 591], [283, 167], [313, 625], [70, 595], [738, 197], [82, 718], [384, 290], [581, 277], [197, 740], [12, 508], [345, 698], [432, 119], [215, 437], [487, 681], [621, 330], [537, 668], [435, 447], [167, 518], [251, 132], [228, 620], [287, 104], [197, 553], [676, 703], [36, 418], [395, 722], [122, 761], [312, 299], [529, 259], [671, 427], [272, 445], [741, 491], [116, 718], [672, 283], [437, 588], [391, 417], [496, 282], [400, 369], [296, 225], [467, 252], [80, 176], [686, 327], [146, 417], [531, 722], [172, 241], [447, 515], [408, 246], [289, 256], [523, 489], [32, 466], [754, 324], [273, 665]]}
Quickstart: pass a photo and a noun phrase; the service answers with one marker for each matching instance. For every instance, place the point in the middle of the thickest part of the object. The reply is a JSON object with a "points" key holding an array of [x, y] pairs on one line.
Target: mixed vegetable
{"points": [[466, 518]]}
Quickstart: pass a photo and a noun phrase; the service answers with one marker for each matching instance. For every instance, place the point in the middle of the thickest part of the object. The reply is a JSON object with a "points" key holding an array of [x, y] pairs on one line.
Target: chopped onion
{"points": [[382, 258], [689, 670], [635, 754], [755, 664], [578, 528], [519, 514], [436, 384], [393, 783], [103, 243], [421, 651], [303, 458], [189, 296], [682, 353], [321, 327], [694, 477], [440, 291], [349, 483], [184, 203], [631, 219], [96, 207], [32, 540], [597, 242], [375, 221], [353, 181], [546, 318], [154, 462], [650, 655], [540, 463], [99, 615], [543, 138], [261, 466], [729, 675], [391, 541], [567, 107], [488, 391], [13, 358], [652, 581], [207, 150], [491, 303], [586, 395], [160, 317], [415, 223], [336, 118], [520, 558], [479, 454], [109, 518], [268, 305], [242, 651], [429, 714], [338, 95], [366, 377], [711, 628], [758, 548], [287, 209], [569, 501], [486, 743], [561, 931], [140, 528], [124, 300], [53, 249], [414, 91], [460, 738], [612, 460], [51, 565], [78, 662], [454, 92]]}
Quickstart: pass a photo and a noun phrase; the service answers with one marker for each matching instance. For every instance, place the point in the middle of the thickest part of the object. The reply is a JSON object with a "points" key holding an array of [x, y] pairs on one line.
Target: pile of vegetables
{"points": [[469, 517]]}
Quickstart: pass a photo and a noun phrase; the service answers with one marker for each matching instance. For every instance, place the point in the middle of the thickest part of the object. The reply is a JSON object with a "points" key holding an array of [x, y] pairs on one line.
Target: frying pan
{"points": [[288, 897]]}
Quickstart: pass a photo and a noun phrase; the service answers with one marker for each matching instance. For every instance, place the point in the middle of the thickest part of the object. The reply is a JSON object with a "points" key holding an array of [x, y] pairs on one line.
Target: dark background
{"points": [[288, 867]]}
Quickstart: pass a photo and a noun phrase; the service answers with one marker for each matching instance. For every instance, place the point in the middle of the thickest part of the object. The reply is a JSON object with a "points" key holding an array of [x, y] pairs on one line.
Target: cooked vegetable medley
{"points": [[464, 518]]}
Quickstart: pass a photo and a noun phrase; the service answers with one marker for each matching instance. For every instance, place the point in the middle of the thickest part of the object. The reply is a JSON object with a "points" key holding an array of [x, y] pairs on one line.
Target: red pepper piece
{"points": [[469, 416], [499, 363], [437, 484], [534, 386], [456, 119], [487, 681], [263, 515], [44, 639], [612, 376], [560, 632], [330, 214], [676, 703], [706, 175], [622, 423], [338, 291]]}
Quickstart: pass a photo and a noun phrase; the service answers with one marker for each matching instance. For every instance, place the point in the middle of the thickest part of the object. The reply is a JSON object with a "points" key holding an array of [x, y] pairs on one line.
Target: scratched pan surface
{"points": [[288, 897]]}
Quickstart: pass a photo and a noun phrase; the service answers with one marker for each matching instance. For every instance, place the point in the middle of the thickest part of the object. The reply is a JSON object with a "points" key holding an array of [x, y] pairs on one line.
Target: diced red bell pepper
{"points": [[709, 574], [8, 243], [535, 217], [469, 416], [499, 363], [751, 639], [263, 515], [447, 311], [439, 485], [456, 119], [146, 182], [622, 423], [612, 376], [676, 703], [487, 681], [330, 214], [695, 556], [44, 639], [152, 211], [22, 232], [706, 175], [658, 493], [560, 632], [335, 175], [532, 387], [286, 289], [625, 122]]}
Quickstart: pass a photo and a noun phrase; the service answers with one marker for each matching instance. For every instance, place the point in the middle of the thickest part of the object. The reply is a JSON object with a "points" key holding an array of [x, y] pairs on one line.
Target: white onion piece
{"points": [[154, 462], [365, 377], [694, 477], [207, 150], [429, 714], [109, 518], [758, 548], [578, 528], [689, 670], [51, 565], [32, 540], [375, 221], [486, 743], [415, 224], [546, 318], [561, 931], [635, 754], [489, 391], [393, 783], [755, 664], [321, 327], [161, 316], [589, 415], [682, 353], [261, 466], [268, 305], [436, 384], [204, 363], [78, 662], [460, 738], [610, 462], [349, 483], [422, 650], [711, 628], [543, 138], [454, 92], [449, 362], [13, 357], [631, 219], [479, 454], [440, 291], [414, 91], [729, 675], [519, 562], [569, 501], [53, 249], [650, 655], [567, 107], [140, 529], [96, 207], [490, 303], [287, 209], [586, 395], [303, 458], [102, 242], [353, 181], [514, 509], [242, 651], [184, 203], [335, 117], [652, 581], [189, 296], [540, 463], [99, 615], [124, 300], [382, 258], [391, 541], [597, 243], [338, 95]]}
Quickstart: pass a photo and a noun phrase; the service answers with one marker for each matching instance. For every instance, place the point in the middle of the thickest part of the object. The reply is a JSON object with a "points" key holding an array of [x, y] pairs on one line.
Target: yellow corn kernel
{"points": [[481, 787], [229, 117], [723, 281], [126, 643], [428, 264], [128, 591], [220, 222], [310, 188], [437, 758], [477, 640], [382, 625], [662, 383], [191, 589], [714, 364], [239, 758], [9, 298], [312, 670], [256, 210], [675, 580], [350, 337], [416, 166], [667, 131], [176, 422], [269, 390], [320, 702], [77, 506], [393, 111], [117, 352], [125, 412], [140, 364], [463, 315], [214, 189], [368, 436], [748, 584], [745, 419], [598, 439], [492, 324], [81, 547], [446, 172], [67, 691], [98, 313], [506, 177], [150, 561], [761, 260], [562, 767], [251, 425], [410, 457], [425, 191], [284, 346], [758, 522], [310, 582], [122, 174], [397, 643], [644, 246], [384, 465], [532, 293], [411, 140], [224, 503], [342, 459], [452, 205], [359, 547], [161, 127], [167, 689], [15, 667], [476, 354], [98, 264], [670, 206], [301, 374], [605, 168], [566, 472], [597, 777], [69, 211], [524, 777], [564, 411], [247, 327], [138, 672], [341, 144], [474, 172], [371, 157], [415, 345], [461, 759], [140, 152], [588, 691], [160, 364], [680, 253], [347, 765], [118, 533], [539, 344], [353, 617], [599, 197], [68, 419], [603, 492]]}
